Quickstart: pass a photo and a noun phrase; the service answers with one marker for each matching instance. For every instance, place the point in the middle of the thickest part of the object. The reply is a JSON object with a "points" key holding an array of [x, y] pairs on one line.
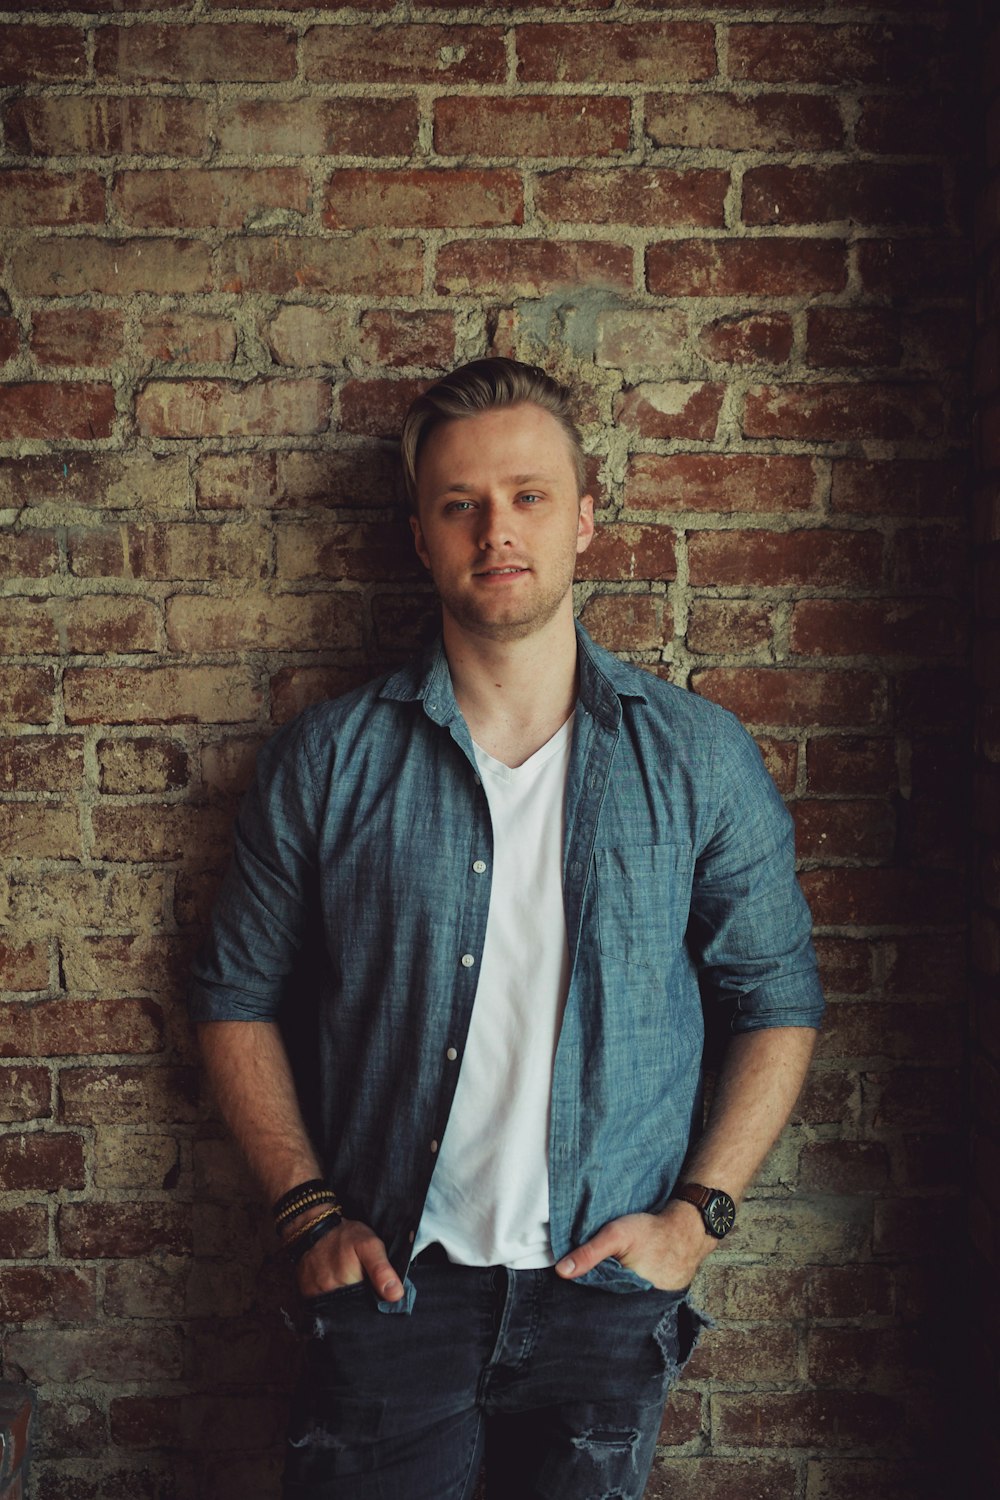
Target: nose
{"points": [[495, 527]]}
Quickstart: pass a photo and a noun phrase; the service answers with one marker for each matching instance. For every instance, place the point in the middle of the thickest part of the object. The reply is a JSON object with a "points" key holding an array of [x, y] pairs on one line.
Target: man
{"points": [[528, 866]]}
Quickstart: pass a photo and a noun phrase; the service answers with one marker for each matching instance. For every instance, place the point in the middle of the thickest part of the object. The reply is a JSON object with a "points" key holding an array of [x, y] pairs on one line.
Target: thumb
{"points": [[578, 1262], [375, 1263]]}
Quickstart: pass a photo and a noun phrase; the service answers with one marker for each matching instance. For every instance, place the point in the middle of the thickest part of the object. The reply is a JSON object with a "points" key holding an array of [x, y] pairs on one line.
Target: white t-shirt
{"points": [[488, 1202]]}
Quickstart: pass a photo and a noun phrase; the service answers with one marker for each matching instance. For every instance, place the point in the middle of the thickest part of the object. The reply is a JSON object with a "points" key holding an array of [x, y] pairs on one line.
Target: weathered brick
{"points": [[882, 897], [780, 1419], [207, 408], [359, 263], [635, 52], [727, 122], [147, 1289], [189, 338], [721, 626], [531, 125], [778, 695], [23, 966], [860, 193], [839, 337], [30, 197], [869, 627], [628, 622], [709, 1478], [24, 1232], [195, 53], [719, 483], [24, 1094], [77, 336], [42, 54], [388, 336], [160, 695], [851, 763], [819, 558], [748, 267], [530, 267], [30, 553], [821, 54], [424, 198], [57, 409], [925, 965], [167, 831], [626, 553], [141, 765], [196, 198], [26, 694], [837, 412], [671, 409], [928, 125], [404, 54], [633, 195], [68, 1028], [10, 339], [33, 830], [915, 268], [769, 1353], [227, 766], [628, 339], [295, 688], [103, 623], [123, 1159], [36, 901], [113, 1095], [40, 1161], [46, 1294], [906, 487], [107, 1355], [748, 339], [27, 625], [146, 1421], [136, 125], [111, 481], [851, 1478], [81, 266], [371, 126], [300, 622]]}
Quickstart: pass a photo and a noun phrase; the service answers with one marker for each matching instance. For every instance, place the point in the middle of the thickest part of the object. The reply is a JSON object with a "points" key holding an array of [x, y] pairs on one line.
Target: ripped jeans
{"points": [[561, 1388]]}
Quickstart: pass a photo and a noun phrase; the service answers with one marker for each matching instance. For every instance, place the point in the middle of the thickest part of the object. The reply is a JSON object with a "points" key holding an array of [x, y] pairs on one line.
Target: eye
{"points": [[457, 507], [531, 498]]}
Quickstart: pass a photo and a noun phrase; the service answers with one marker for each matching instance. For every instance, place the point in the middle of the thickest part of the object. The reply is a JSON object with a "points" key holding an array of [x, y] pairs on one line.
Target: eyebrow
{"points": [[461, 488]]}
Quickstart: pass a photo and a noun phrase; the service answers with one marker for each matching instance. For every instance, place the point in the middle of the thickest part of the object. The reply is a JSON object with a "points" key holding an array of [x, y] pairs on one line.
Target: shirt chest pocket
{"points": [[643, 900]]}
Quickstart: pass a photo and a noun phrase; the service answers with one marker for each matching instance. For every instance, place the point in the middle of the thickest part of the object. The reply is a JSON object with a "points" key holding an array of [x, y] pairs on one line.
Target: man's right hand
{"points": [[344, 1257]]}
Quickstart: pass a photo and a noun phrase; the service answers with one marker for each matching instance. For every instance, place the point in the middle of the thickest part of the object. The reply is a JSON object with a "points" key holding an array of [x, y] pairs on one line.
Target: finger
{"points": [[578, 1262], [375, 1264]]}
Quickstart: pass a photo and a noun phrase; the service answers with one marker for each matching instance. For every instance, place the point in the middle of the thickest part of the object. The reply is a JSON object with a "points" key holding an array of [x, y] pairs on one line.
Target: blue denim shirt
{"points": [[366, 842]]}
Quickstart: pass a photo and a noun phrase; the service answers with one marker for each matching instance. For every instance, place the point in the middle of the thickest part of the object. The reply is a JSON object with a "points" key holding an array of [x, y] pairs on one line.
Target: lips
{"points": [[509, 571]]}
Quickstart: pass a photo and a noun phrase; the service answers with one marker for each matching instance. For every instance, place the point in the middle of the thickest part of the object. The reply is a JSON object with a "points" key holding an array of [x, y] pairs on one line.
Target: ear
{"points": [[585, 524], [418, 542]]}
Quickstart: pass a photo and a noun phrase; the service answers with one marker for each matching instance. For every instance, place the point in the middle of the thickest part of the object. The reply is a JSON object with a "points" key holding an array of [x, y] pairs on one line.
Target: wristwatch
{"points": [[717, 1208]]}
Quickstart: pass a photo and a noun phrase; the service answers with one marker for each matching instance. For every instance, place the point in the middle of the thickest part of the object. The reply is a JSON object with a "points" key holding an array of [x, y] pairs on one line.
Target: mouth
{"points": [[507, 572]]}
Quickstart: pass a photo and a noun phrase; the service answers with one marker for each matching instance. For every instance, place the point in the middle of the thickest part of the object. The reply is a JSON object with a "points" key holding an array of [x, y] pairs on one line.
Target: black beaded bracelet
{"points": [[303, 1242], [294, 1193], [299, 1205]]}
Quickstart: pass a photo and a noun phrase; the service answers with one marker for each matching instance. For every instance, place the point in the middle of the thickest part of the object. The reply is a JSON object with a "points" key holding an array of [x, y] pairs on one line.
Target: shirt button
{"points": [[467, 960], [451, 1054], [480, 866], [412, 1236], [434, 1146]]}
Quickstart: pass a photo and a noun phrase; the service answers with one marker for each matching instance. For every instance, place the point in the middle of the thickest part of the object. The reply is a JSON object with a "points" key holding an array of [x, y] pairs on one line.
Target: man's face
{"points": [[499, 523]]}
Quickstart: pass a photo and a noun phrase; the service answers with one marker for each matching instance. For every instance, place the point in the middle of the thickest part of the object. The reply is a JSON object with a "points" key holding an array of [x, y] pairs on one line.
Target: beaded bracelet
{"points": [[299, 1206], [302, 1241], [293, 1193]]}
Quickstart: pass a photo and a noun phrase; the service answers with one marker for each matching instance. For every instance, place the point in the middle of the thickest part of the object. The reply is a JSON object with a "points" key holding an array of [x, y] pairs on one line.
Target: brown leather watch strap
{"points": [[693, 1192]]}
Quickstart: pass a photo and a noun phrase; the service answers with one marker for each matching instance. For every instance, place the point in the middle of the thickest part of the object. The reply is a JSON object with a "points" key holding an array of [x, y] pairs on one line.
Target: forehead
{"points": [[504, 442]]}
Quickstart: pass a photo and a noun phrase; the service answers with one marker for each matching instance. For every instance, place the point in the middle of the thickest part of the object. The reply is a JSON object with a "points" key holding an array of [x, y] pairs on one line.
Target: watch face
{"points": [[720, 1214]]}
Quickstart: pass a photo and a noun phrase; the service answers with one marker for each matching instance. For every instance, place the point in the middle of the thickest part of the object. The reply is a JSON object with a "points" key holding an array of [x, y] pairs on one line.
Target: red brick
{"points": [[779, 695], [630, 52], [751, 339], [904, 487], [168, 551], [27, 625], [195, 53], [68, 1028], [730, 1354], [633, 195], [838, 1357], [851, 763], [780, 1419], [23, 966], [817, 557], [77, 336], [707, 1478], [24, 1095], [42, 54], [107, 126], [882, 898], [31, 830], [227, 198], [30, 1294], [427, 198], [57, 409], [231, 481], [925, 965], [914, 268], [767, 122], [146, 1421], [627, 338], [82, 266], [27, 694], [41, 1162], [827, 1099], [929, 125], [849, 1292], [392, 337], [671, 409], [843, 830], [860, 193], [110, 481], [781, 757], [23, 1232], [99, 624], [719, 483], [160, 695], [201, 408], [304, 622], [726, 625], [531, 126], [141, 765], [628, 622], [405, 622], [115, 1095], [863, 627], [168, 831], [28, 554], [106, 1355], [747, 267], [852, 337], [845, 964], [775, 53], [10, 339], [318, 127], [627, 553], [526, 268], [189, 338], [404, 54], [356, 264], [843, 412]]}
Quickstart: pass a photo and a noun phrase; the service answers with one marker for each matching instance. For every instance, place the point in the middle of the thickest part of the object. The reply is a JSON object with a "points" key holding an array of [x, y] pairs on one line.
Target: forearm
{"points": [[759, 1081], [248, 1069]]}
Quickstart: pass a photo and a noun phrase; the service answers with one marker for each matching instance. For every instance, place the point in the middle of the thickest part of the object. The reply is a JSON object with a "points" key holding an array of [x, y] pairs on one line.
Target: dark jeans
{"points": [[561, 1387]]}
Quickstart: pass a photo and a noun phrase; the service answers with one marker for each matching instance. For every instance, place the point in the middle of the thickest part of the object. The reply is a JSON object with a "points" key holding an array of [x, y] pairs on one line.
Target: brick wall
{"points": [[985, 1030], [234, 241]]}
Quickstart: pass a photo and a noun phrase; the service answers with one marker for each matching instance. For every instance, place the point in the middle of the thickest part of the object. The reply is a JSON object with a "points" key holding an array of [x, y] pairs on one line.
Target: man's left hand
{"points": [[665, 1248]]}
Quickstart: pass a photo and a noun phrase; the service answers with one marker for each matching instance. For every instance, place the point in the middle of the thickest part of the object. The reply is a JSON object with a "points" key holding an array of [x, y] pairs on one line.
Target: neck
{"points": [[514, 695]]}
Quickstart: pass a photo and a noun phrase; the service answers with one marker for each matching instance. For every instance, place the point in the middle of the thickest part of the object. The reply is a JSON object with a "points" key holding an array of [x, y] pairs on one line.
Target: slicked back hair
{"points": [[485, 385]]}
